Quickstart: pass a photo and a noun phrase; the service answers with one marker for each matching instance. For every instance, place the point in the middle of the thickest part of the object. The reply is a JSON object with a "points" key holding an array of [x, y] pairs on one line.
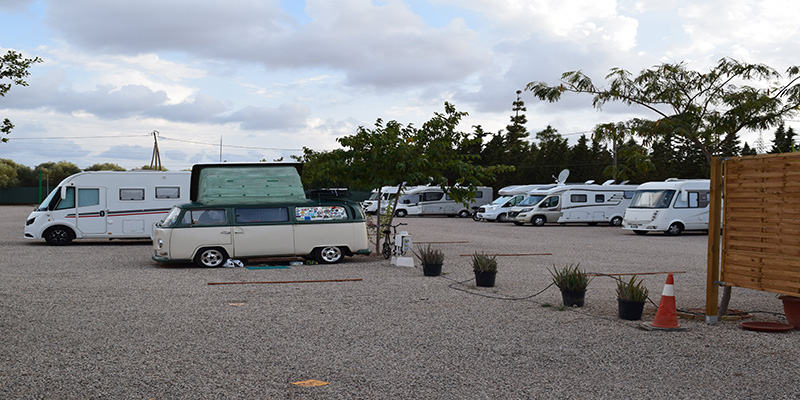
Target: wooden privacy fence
{"points": [[760, 246]]}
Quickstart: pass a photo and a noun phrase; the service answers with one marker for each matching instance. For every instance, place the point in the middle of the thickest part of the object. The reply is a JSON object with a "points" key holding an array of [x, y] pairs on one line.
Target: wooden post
{"points": [[714, 239]]}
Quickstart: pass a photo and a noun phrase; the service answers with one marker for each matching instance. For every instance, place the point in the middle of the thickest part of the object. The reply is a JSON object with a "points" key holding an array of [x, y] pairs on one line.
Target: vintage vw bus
{"points": [[257, 210]]}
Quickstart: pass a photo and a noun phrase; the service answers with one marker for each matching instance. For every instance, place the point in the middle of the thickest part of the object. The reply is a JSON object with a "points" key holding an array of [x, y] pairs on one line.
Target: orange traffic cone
{"points": [[667, 315]]}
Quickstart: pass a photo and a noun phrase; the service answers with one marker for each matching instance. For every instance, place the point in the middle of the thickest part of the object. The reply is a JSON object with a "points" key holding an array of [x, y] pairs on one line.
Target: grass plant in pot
{"points": [[431, 259], [631, 296], [485, 267], [572, 281]]}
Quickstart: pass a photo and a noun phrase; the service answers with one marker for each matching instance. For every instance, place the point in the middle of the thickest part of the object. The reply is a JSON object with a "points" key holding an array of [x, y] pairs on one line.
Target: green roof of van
{"points": [[256, 183]]}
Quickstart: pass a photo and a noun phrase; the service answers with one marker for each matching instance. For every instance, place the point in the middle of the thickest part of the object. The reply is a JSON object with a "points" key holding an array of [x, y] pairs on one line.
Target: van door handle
{"points": [[226, 232]]}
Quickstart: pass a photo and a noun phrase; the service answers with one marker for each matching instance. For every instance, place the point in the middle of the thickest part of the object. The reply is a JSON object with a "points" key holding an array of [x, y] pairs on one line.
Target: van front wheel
{"points": [[211, 257], [328, 254]]}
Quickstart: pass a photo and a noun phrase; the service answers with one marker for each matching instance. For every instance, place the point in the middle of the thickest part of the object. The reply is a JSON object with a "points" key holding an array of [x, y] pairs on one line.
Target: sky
{"points": [[252, 80]]}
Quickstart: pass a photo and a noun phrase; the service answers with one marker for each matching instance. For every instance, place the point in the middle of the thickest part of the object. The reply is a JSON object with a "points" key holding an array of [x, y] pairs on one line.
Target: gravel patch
{"points": [[100, 319]]}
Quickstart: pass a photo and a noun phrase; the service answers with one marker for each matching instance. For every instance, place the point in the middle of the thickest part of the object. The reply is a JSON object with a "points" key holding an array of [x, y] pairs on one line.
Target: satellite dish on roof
{"points": [[562, 176]]}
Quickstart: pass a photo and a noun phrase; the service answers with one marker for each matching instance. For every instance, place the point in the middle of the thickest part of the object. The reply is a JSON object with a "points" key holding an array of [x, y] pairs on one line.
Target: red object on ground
{"points": [[667, 314]]}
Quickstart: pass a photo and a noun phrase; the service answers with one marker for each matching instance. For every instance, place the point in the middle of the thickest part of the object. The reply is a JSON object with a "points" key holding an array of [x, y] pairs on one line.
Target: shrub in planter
{"points": [[485, 268], [431, 259], [631, 296], [572, 281]]}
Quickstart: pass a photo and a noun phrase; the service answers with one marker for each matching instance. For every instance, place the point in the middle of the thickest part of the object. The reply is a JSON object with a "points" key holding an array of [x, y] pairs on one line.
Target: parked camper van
{"points": [[509, 197], [387, 194], [431, 200], [591, 204], [257, 210], [107, 204], [672, 206]]}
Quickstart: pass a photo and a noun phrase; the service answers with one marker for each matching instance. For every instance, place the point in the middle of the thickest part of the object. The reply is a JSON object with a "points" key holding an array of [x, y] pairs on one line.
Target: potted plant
{"points": [[431, 259], [485, 268], [572, 281], [631, 296]]}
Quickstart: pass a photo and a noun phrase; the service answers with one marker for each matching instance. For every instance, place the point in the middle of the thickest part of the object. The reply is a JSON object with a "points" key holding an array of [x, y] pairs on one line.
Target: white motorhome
{"points": [[387, 194], [509, 197], [586, 203], [671, 206], [431, 200], [107, 204]]}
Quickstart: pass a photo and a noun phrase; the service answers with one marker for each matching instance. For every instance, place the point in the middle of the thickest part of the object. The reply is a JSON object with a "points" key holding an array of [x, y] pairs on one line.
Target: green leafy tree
{"points": [[552, 155], [13, 71], [150, 168], [55, 172], [105, 167], [8, 173], [702, 109]]}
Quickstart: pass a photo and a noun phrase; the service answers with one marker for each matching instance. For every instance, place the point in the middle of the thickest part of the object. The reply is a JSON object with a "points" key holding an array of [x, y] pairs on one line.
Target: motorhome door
{"points": [[90, 213]]}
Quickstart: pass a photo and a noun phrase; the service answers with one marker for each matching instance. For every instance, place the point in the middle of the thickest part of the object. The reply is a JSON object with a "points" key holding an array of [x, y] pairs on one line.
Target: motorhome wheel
{"points": [[211, 257], [58, 236], [328, 254], [675, 229], [463, 213], [502, 217], [401, 213], [538, 220], [616, 221]]}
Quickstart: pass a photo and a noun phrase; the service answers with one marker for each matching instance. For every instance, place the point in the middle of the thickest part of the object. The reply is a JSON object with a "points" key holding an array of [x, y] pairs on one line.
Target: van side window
{"points": [[599, 198], [131, 194], [320, 213], [265, 214], [69, 201], [208, 217], [88, 197], [432, 196], [695, 199], [578, 198], [551, 201], [168, 192], [628, 194]]}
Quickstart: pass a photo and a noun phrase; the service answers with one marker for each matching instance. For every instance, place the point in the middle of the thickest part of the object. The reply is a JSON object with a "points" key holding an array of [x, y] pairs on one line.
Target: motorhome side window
{"points": [[168, 192], [320, 213], [599, 198], [693, 199], [88, 197], [432, 196], [204, 217], [578, 198], [628, 194], [131, 194], [67, 202], [262, 214], [551, 201]]}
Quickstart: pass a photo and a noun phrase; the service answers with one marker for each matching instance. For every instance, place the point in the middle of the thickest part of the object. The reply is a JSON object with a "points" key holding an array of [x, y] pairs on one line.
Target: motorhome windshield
{"points": [[501, 200], [652, 198], [531, 200], [45, 204], [373, 196]]}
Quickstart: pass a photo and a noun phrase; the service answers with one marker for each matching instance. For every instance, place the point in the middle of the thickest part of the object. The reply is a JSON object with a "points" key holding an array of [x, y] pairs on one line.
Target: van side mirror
{"points": [[406, 201], [63, 192], [684, 196]]}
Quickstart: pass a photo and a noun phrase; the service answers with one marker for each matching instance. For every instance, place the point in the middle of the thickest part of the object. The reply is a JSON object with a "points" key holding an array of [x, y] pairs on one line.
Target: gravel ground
{"points": [[99, 319]]}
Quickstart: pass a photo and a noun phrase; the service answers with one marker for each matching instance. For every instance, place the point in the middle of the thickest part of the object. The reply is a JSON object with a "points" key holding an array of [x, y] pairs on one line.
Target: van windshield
{"points": [[46, 203], [501, 200], [172, 218], [652, 198], [531, 200]]}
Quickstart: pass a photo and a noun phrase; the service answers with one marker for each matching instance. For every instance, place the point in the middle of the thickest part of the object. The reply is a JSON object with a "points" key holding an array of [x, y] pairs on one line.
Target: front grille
{"points": [[513, 214]]}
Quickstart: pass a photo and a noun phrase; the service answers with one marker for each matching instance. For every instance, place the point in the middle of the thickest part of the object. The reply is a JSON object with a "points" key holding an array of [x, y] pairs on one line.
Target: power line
{"points": [[228, 145]]}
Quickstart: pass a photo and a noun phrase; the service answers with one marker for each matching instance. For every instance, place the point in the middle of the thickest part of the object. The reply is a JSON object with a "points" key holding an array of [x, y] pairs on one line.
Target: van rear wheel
{"points": [[211, 257], [328, 254], [58, 236], [616, 221]]}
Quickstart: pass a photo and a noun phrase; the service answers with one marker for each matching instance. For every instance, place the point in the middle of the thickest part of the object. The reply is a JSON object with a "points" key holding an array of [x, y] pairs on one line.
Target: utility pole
{"points": [[155, 160]]}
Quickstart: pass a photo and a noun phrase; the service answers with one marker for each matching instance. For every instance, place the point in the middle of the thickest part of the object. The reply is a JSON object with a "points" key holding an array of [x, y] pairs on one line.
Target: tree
{"points": [[13, 71], [703, 109], [393, 153], [8, 173], [105, 167], [784, 140], [55, 172], [747, 151], [151, 168]]}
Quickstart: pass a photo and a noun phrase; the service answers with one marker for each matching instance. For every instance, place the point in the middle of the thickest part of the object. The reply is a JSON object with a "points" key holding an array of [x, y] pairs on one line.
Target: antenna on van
{"points": [[155, 161]]}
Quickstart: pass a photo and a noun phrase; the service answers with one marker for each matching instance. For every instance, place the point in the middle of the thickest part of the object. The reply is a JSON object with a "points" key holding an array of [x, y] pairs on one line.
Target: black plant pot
{"points": [[573, 297], [432, 269], [630, 310], [485, 278]]}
